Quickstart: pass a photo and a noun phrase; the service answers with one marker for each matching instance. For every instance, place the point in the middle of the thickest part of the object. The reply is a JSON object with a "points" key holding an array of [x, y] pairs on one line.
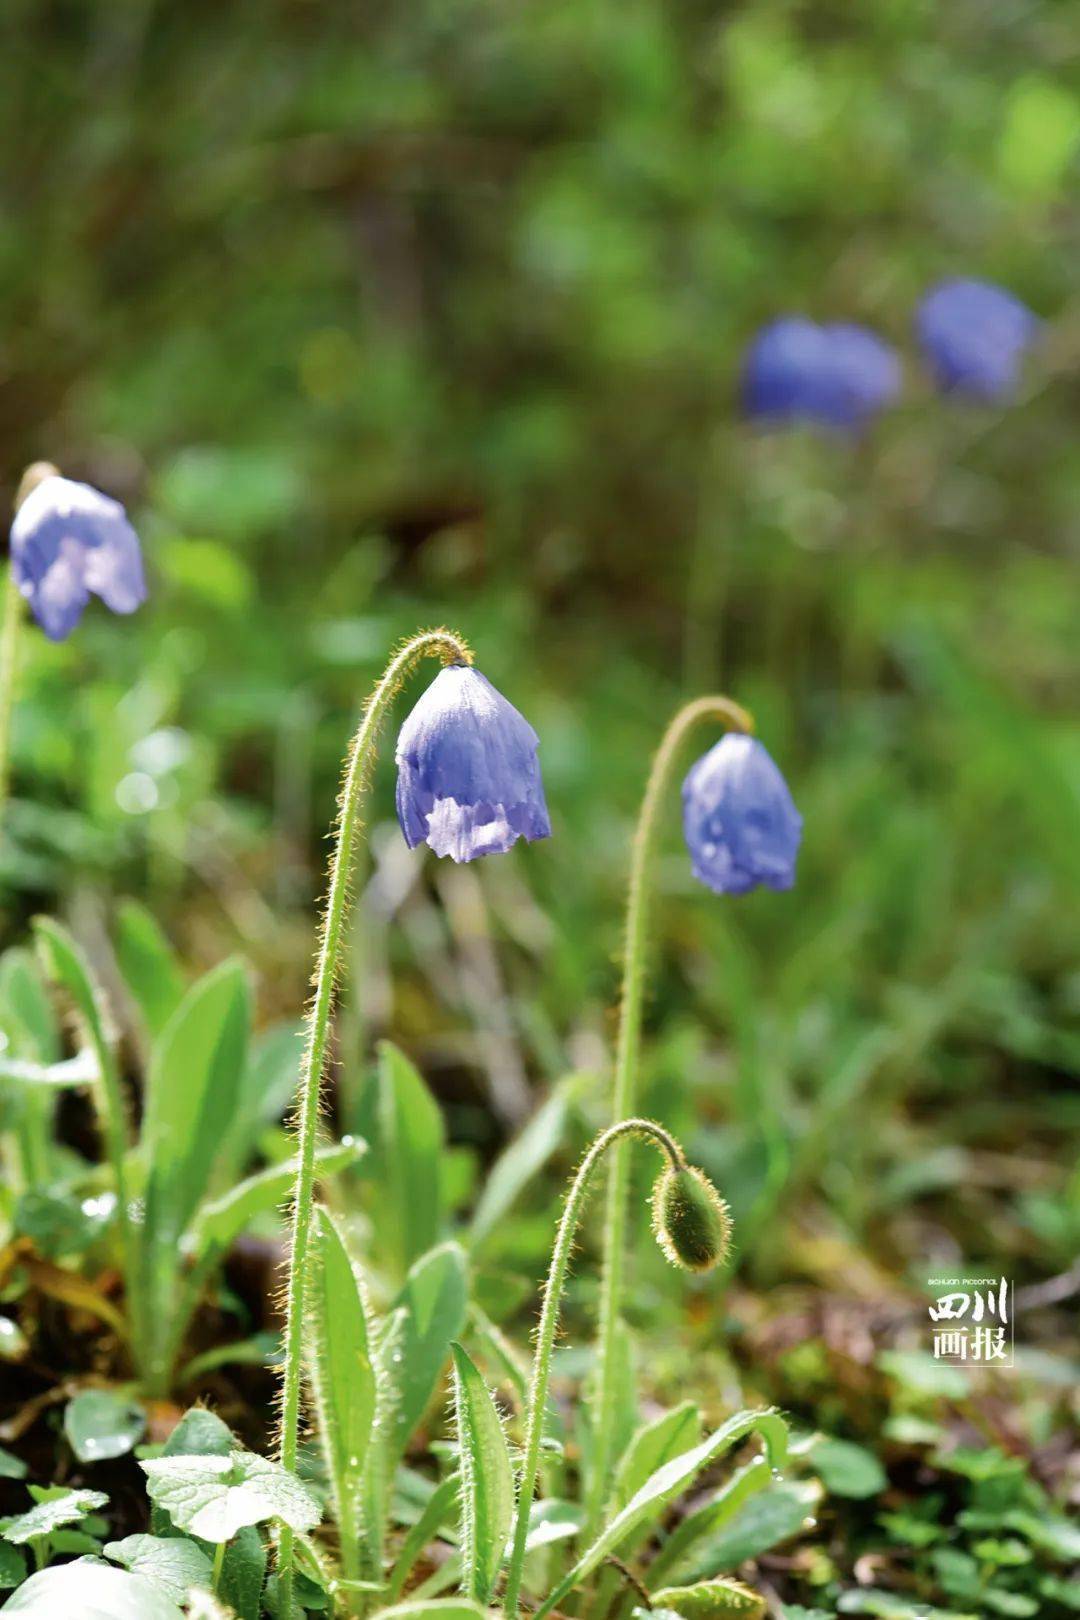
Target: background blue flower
{"points": [[468, 772], [974, 336], [68, 541], [740, 822], [838, 375]]}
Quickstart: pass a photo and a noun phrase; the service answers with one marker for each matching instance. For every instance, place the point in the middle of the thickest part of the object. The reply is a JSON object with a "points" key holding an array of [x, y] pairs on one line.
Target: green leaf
{"points": [[91, 1591], [523, 1159], [1040, 132], [432, 1307], [487, 1479], [440, 1504], [764, 1522], [411, 1146], [11, 1467], [667, 1483], [213, 1497], [847, 1469], [191, 1094], [654, 1444], [64, 962], [220, 1221], [711, 1600], [199, 1433], [68, 1507], [100, 1424], [923, 1375], [171, 1562], [243, 1573], [889, 1607], [1053, 1533], [148, 964], [12, 1565], [27, 1019], [267, 1089], [341, 1374], [550, 1521]]}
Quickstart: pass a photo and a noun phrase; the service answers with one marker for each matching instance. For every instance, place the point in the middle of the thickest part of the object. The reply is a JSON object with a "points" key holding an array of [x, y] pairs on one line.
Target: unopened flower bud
{"points": [[691, 1221]]}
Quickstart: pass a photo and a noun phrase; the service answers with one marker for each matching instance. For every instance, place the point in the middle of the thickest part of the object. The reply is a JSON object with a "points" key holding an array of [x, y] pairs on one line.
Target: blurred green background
{"points": [[381, 319]]}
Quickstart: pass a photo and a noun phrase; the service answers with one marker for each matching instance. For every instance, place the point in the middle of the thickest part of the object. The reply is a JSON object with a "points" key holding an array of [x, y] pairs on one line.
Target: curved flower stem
{"points": [[10, 625], [9, 672], [549, 1318], [627, 1050], [451, 648]]}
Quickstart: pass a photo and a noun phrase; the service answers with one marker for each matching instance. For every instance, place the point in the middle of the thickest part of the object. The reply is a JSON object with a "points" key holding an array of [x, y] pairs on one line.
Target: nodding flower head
{"points": [[68, 541], [468, 773], [974, 336], [691, 1222], [740, 822], [838, 376]]}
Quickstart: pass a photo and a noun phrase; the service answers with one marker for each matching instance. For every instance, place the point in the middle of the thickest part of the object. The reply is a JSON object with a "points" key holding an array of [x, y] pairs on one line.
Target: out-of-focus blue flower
{"points": [[739, 819], [468, 773], [974, 336], [67, 541], [838, 375]]}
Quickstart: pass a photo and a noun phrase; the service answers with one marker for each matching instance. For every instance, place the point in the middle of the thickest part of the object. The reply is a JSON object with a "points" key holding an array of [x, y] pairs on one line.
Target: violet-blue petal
{"points": [[468, 770], [785, 370], [69, 540], [837, 376], [866, 370], [739, 820], [974, 336]]}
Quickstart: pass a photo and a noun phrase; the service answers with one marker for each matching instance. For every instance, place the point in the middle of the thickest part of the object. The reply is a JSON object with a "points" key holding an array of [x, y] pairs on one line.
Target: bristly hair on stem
{"points": [[450, 648], [627, 1050], [612, 1138]]}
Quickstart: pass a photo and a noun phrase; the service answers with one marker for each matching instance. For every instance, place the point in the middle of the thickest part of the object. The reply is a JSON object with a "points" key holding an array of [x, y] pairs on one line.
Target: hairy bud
{"points": [[691, 1221]]}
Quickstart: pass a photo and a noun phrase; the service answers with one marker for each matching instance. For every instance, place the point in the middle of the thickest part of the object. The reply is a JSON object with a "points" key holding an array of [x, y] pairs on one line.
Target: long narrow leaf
{"points": [[411, 1144], [342, 1379], [440, 1505], [667, 1483], [487, 1479], [148, 964], [193, 1084], [526, 1155], [431, 1309]]}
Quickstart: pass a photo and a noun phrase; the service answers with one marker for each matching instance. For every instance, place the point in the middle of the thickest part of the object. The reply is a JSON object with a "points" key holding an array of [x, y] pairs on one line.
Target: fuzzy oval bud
{"points": [[691, 1221]]}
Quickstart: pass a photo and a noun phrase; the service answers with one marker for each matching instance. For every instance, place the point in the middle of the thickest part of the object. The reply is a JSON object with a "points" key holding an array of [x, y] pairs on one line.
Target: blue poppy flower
{"points": [[67, 541], [740, 822], [468, 773], [837, 375], [974, 336]]}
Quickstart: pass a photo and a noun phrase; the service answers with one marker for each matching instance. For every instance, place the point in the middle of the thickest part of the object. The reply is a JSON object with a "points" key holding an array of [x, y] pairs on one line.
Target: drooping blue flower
{"points": [[974, 336], [740, 822], [68, 540], [468, 772], [838, 375]]}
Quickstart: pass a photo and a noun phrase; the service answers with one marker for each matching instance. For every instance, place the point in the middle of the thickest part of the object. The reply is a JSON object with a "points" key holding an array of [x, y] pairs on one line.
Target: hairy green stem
{"points": [[9, 669], [627, 1049], [448, 646], [11, 616], [549, 1318]]}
